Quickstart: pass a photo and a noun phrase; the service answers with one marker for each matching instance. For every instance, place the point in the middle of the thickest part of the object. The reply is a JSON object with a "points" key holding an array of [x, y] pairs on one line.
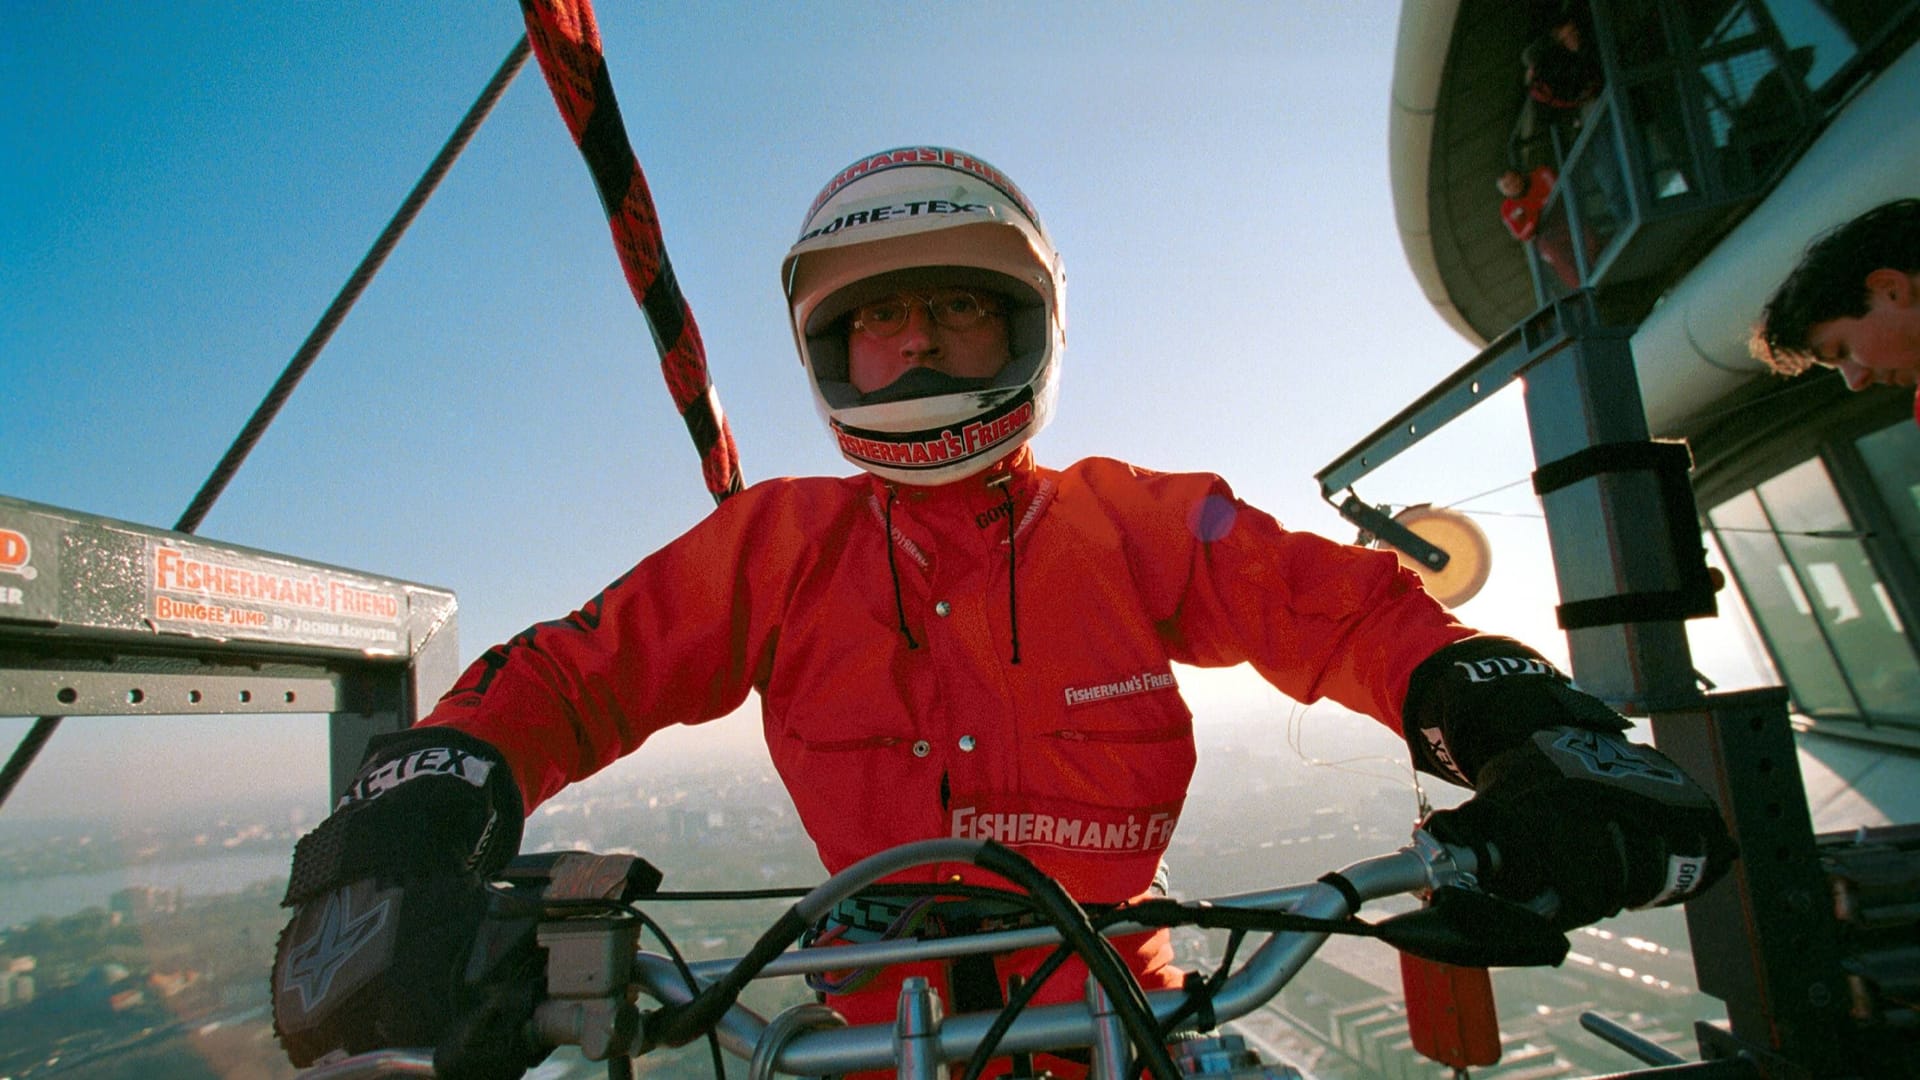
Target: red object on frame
{"points": [[1450, 1012]]}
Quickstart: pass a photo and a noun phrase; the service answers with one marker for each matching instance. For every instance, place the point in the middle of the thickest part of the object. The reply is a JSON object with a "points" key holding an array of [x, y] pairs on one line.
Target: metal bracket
{"points": [[1543, 333], [1372, 520]]}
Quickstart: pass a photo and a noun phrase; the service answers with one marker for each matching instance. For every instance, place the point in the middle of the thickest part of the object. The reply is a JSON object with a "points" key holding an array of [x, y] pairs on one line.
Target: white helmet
{"points": [[905, 219]]}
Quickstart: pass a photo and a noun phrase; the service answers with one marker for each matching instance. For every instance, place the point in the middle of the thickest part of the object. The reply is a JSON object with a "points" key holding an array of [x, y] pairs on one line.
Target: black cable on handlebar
{"points": [[1017, 1003], [1200, 990], [677, 1025], [1103, 963], [1160, 912], [693, 988], [1168, 913], [1023, 995], [509, 899]]}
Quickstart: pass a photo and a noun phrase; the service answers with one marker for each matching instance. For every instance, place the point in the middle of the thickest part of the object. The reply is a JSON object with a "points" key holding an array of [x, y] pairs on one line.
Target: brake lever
{"points": [[1470, 928]]}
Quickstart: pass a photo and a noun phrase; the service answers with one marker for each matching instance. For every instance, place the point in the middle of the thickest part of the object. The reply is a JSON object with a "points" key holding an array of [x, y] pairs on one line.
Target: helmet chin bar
{"points": [[920, 382], [965, 434]]}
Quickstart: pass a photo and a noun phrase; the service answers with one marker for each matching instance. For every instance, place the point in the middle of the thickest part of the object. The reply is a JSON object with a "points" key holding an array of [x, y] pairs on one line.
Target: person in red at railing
{"points": [[953, 642], [1526, 195], [1853, 304]]}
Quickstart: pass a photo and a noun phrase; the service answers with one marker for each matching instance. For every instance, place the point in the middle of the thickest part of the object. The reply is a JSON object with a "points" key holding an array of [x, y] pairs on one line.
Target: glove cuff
{"points": [[426, 801], [1476, 698]]}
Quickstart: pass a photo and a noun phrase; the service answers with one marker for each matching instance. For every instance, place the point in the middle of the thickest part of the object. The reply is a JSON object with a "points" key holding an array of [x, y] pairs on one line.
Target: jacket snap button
{"points": [[966, 743], [942, 608], [922, 748]]}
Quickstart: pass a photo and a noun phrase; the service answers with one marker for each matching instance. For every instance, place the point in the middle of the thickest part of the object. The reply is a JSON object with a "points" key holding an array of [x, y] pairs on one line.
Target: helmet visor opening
{"points": [[833, 309], [830, 324]]}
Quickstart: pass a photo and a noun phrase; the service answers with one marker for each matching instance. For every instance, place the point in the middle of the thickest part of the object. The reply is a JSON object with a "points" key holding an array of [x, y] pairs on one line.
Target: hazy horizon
{"points": [[93, 781]]}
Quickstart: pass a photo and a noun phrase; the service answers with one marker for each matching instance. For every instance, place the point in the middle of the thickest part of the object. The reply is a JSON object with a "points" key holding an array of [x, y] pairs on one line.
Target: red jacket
{"points": [[1078, 756], [1522, 212]]}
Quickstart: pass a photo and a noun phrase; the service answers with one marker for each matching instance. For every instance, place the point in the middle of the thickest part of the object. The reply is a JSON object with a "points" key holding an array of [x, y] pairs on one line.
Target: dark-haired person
{"points": [[1561, 72], [952, 642], [1853, 303]]}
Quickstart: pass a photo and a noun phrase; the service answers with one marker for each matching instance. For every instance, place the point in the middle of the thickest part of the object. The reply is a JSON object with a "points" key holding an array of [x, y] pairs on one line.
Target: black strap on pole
{"points": [[336, 312]]}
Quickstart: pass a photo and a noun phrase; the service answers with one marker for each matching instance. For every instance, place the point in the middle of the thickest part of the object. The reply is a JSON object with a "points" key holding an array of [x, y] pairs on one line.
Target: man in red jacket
{"points": [[1525, 198], [956, 641]]}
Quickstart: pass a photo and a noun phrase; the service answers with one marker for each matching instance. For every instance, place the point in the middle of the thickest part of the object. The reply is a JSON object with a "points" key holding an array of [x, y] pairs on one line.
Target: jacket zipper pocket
{"points": [[871, 742]]}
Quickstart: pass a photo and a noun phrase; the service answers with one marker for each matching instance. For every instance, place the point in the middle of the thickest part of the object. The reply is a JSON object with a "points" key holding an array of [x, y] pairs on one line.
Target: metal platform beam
{"points": [[100, 617]]}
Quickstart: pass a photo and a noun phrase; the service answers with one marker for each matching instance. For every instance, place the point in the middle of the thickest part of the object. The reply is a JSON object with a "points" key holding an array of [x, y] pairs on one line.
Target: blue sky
{"points": [[184, 188]]}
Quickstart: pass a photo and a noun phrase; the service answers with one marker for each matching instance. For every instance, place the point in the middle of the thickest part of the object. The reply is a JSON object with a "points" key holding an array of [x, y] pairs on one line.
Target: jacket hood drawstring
{"points": [[1005, 483], [893, 568]]}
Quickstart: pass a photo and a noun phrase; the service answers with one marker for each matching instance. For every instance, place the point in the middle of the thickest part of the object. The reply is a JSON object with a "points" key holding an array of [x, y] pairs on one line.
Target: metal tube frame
{"points": [[96, 632]]}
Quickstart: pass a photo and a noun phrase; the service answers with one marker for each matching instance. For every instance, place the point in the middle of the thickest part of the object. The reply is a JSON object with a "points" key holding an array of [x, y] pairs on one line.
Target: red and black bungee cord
{"points": [[566, 41]]}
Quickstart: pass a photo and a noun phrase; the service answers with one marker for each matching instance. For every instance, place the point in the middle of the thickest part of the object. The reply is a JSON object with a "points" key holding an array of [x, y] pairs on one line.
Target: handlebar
{"points": [[1264, 974], [812, 1040]]}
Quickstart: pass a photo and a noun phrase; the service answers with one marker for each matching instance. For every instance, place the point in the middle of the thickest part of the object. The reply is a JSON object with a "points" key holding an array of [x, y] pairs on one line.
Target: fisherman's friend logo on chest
{"points": [[1139, 683], [1064, 826]]}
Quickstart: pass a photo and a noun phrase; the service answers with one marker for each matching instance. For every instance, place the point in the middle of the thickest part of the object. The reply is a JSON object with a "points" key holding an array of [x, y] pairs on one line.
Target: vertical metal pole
{"points": [[1607, 532], [916, 1032], [1764, 939], [1112, 1055], [372, 702]]}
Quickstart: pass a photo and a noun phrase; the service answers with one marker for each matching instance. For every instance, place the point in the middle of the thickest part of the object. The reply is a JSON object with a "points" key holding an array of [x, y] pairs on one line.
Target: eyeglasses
{"points": [[950, 309]]}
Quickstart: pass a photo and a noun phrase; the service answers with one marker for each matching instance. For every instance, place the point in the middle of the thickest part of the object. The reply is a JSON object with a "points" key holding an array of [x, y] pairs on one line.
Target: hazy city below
{"points": [[141, 947]]}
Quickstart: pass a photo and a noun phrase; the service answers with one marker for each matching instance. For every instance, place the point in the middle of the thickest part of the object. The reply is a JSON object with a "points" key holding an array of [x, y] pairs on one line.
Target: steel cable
{"points": [[223, 473]]}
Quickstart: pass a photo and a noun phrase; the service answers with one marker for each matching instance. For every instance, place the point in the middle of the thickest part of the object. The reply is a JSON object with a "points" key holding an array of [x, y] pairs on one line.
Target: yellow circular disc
{"points": [[1469, 556]]}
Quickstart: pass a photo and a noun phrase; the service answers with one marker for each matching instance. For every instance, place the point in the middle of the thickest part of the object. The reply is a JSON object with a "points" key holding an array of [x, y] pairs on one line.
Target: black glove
{"points": [[1563, 801], [388, 895], [491, 1040], [1476, 698], [1602, 822]]}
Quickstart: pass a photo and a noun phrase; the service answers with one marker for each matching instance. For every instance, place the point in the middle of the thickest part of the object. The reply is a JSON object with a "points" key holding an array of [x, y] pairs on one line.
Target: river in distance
{"points": [[65, 894]]}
